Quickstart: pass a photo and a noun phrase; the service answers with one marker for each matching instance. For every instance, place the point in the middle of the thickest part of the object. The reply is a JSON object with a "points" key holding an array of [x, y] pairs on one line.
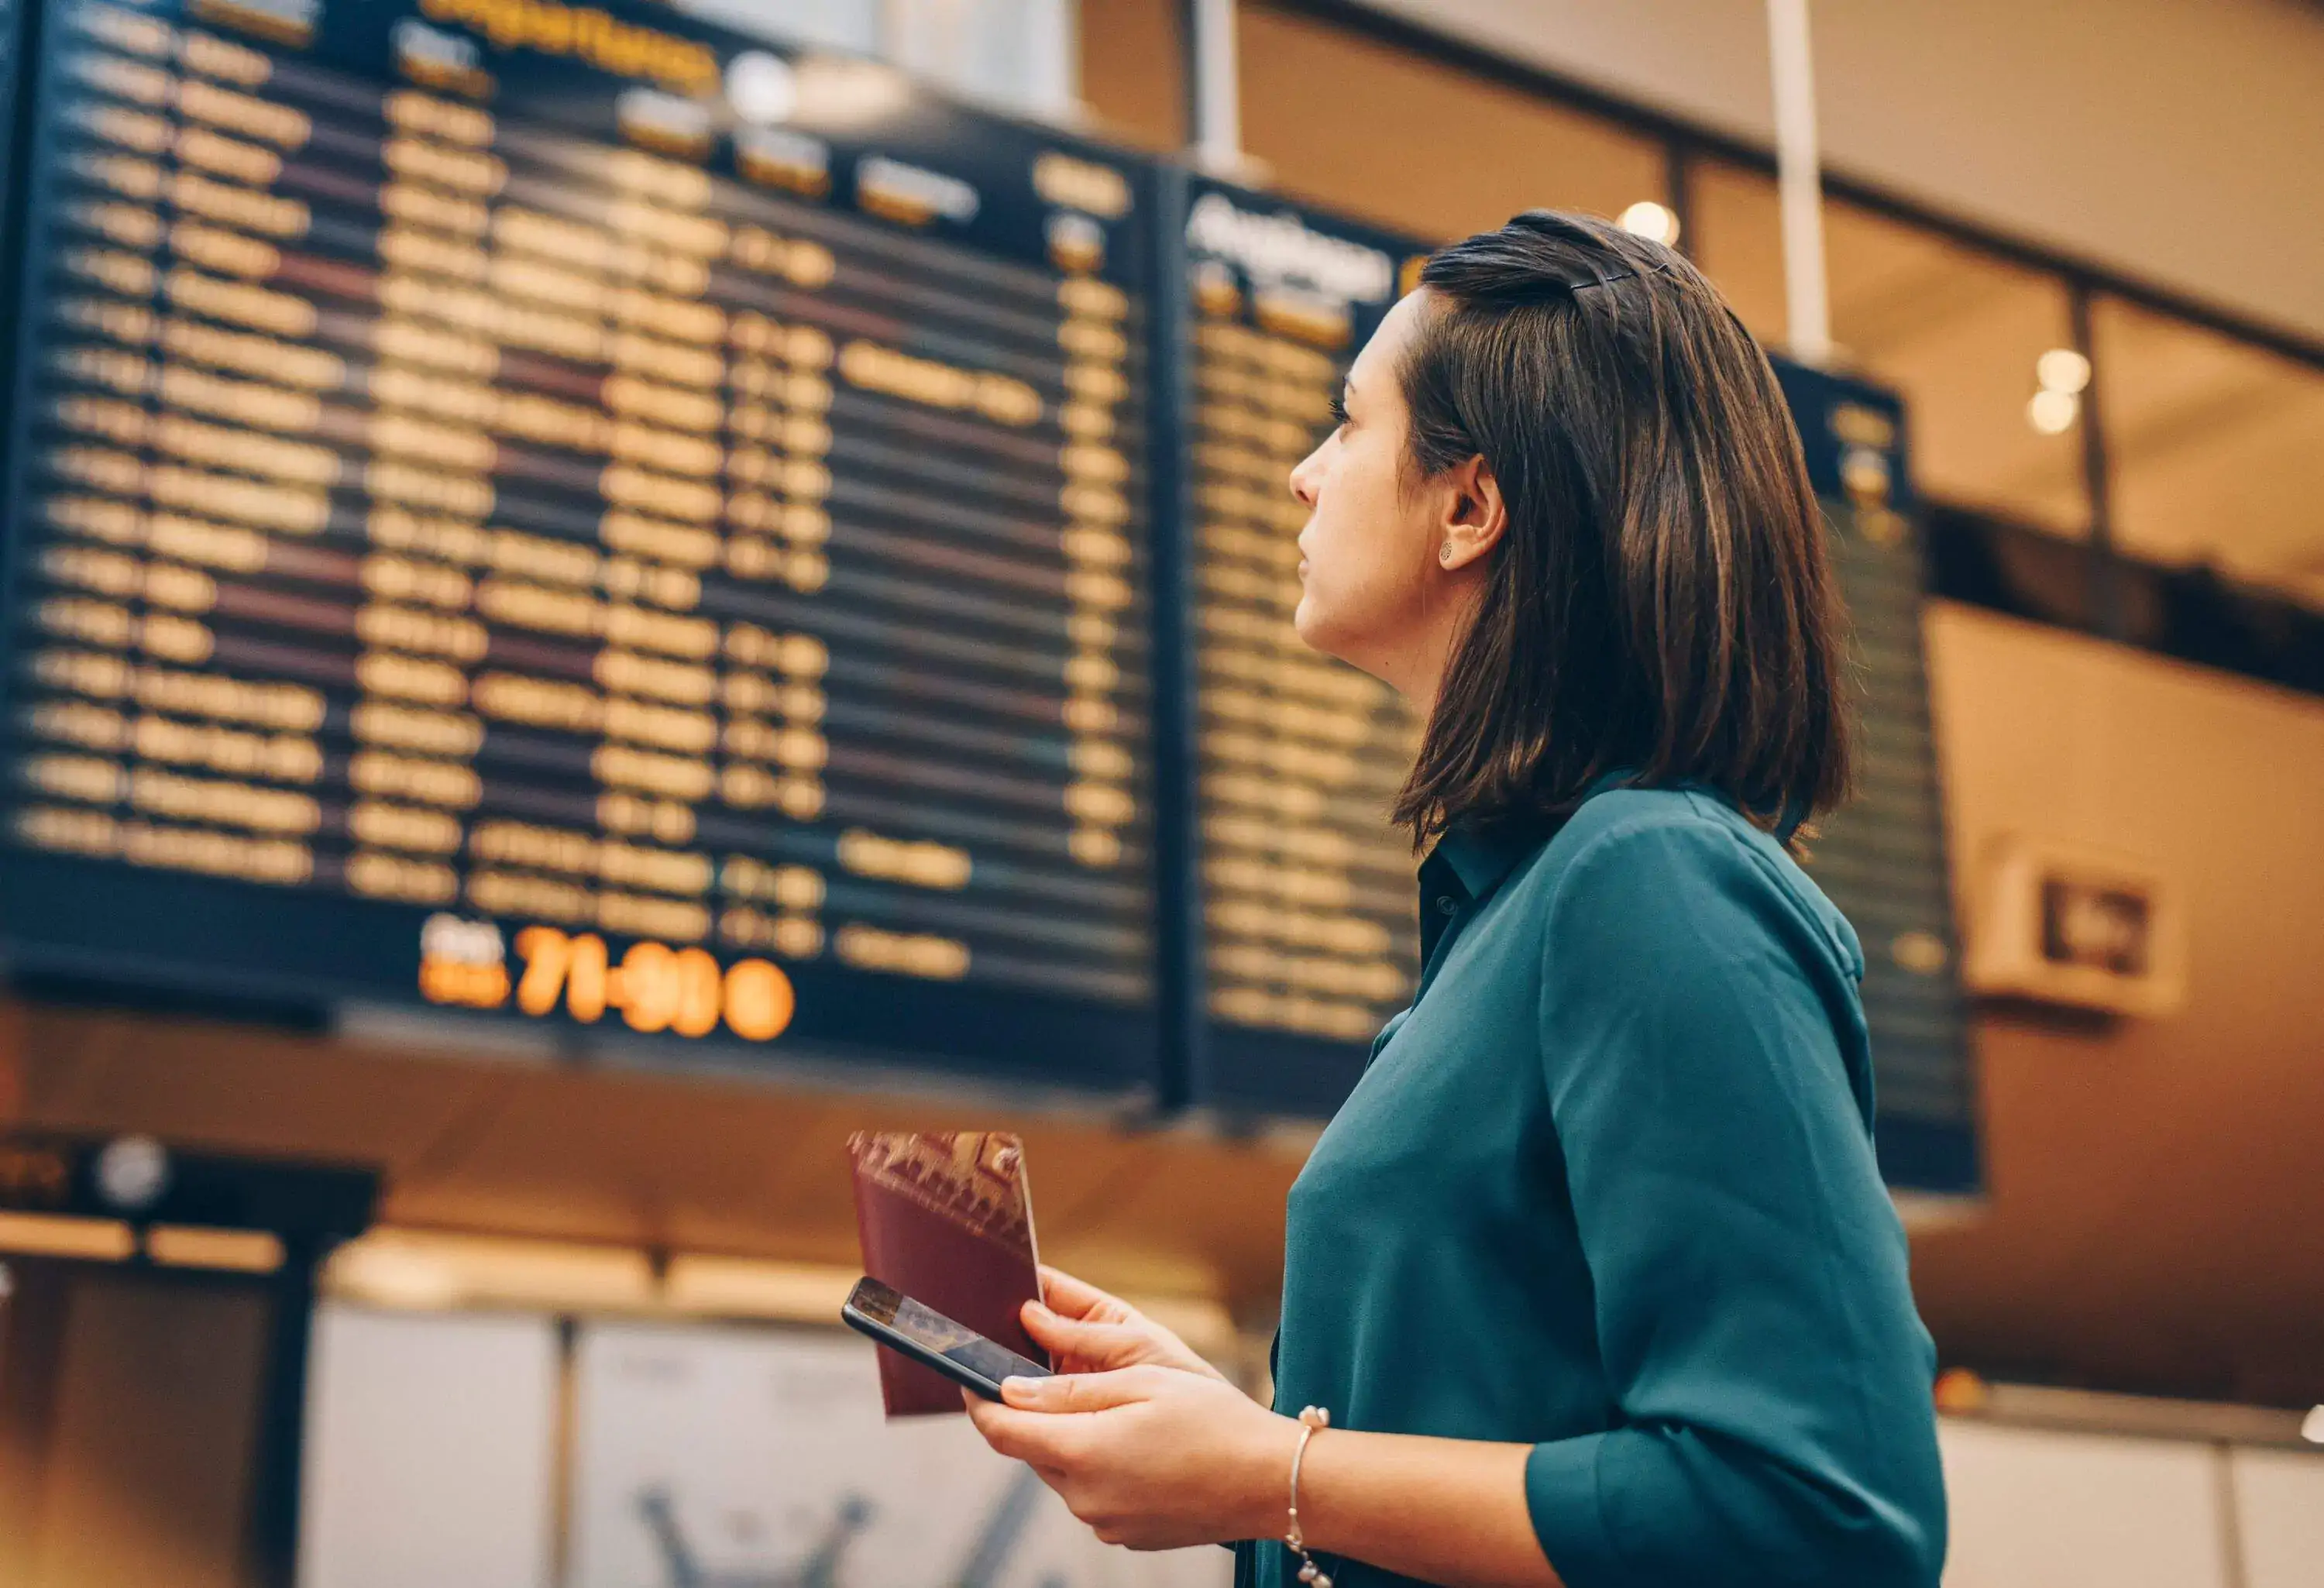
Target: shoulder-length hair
{"points": [[1661, 601]]}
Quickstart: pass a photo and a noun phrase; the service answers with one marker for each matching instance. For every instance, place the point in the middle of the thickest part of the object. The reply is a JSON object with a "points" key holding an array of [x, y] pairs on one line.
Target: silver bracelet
{"points": [[1311, 1419]]}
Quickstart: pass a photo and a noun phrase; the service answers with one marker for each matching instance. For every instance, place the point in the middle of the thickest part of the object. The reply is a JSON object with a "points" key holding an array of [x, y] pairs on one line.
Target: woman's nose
{"points": [[1303, 479]]}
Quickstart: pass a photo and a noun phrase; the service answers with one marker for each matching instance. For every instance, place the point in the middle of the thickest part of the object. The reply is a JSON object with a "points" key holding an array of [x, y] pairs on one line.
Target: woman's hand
{"points": [[1159, 1458], [1086, 1331], [1148, 1456]]}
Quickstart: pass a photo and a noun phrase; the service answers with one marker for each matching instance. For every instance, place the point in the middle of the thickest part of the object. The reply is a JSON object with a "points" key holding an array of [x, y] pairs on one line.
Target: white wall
{"points": [[2033, 1509], [430, 1452], [431, 1460], [2170, 140], [745, 1451], [2280, 1510]]}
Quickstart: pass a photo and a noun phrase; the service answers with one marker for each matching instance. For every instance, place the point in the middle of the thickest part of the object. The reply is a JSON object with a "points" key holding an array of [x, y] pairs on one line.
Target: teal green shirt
{"points": [[1606, 1188]]}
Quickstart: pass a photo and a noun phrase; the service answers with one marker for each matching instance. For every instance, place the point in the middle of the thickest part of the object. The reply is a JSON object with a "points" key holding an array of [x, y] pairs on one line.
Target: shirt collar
{"points": [[1481, 858]]}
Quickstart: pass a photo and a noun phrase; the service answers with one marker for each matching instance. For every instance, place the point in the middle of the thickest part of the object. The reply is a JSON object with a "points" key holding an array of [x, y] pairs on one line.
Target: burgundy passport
{"points": [[945, 1218]]}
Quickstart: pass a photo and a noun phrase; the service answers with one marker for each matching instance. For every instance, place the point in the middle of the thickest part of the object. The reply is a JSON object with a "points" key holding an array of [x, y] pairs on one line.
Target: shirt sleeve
{"points": [[1770, 1376]]}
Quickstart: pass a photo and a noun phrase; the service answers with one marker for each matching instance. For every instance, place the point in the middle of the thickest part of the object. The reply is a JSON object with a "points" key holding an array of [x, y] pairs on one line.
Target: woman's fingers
{"points": [[1097, 1342], [1080, 1392], [1049, 1331], [1077, 1298], [1047, 1443], [1111, 1344]]}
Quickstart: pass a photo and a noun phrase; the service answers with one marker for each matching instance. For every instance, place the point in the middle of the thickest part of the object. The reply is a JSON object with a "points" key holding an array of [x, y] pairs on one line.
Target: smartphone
{"points": [[928, 1337]]}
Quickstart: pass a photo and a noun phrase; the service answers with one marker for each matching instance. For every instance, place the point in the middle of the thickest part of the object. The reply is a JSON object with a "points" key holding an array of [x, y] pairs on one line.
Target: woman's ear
{"points": [[1475, 516]]}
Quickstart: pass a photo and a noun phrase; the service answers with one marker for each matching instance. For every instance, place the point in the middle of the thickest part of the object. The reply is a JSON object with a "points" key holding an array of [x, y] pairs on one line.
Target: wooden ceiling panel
{"points": [[236, 1089], [1434, 151], [676, 1161]]}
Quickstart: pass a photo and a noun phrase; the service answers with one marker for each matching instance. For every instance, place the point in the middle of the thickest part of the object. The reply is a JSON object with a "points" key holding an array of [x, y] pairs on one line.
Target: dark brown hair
{"points": [[1661, 600]]}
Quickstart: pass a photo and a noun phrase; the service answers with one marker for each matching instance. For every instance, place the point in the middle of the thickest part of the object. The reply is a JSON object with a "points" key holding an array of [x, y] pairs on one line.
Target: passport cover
{"points": [[944, 1217]]}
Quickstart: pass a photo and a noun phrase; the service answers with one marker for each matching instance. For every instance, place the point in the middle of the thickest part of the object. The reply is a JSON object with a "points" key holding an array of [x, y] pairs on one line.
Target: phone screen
{"points": [[927, 1327]]}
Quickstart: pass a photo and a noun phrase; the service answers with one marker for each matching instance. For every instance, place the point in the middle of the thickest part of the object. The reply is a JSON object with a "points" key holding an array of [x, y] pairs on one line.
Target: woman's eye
{"points": [[1339, 413]]}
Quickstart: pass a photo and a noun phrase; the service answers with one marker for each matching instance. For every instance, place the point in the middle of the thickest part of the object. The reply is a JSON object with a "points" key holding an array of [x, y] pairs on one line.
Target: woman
{"points": [[1593, 1273]]}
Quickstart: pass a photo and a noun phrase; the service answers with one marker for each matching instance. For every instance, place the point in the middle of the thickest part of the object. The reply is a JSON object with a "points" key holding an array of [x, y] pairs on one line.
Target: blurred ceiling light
{"points": [[743, 1288], [422, 1269], [188, 1246], [2062, 369], [2052, 412], [1961, 1393], [385, 1273], [761, 87], [36, 1234], [2311, 1426], [1650, 219], [131, 1172], [836, 92]]}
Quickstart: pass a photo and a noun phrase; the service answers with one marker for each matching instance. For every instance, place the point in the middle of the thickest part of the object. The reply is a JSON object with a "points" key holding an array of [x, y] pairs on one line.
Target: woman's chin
{"points": [[1326, 638], [1321, 636], [1308, 625]]}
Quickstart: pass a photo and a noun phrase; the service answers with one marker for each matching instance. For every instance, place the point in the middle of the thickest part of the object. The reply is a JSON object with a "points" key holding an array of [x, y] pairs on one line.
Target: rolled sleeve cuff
{"points": [[1561, 1497]]}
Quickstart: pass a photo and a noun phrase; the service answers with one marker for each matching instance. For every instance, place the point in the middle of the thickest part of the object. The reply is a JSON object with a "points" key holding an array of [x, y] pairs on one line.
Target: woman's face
{"points": [[1373, 586]]}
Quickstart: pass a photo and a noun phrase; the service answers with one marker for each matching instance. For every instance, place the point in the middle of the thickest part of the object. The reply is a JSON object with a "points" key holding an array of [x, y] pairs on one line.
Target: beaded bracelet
{"points": [[1311, 1419]]}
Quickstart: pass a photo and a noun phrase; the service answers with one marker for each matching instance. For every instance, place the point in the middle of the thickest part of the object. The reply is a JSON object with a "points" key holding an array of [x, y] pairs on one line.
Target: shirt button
{"points": [[1445, 905]]}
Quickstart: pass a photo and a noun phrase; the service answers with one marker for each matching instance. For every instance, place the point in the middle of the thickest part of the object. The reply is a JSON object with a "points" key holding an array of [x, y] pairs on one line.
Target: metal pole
{"points": [[1217, 84], [282, 1415], [2232, 1569], [1805, 296], [1678, 183], [2108, 614]]}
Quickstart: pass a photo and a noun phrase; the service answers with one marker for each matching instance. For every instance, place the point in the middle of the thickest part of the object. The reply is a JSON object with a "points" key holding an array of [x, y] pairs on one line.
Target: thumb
{"points": [[1075, 1392]]}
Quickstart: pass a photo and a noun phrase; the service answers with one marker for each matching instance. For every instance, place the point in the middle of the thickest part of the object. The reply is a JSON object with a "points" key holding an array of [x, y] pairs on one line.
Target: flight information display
{"points": [[567, 513], [1881, 857], [559, 509], [1308, 937]]}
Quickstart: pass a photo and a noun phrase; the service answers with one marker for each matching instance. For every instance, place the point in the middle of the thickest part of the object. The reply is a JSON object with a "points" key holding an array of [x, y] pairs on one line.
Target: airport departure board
{"points": [[1308, 930], [1881, 857], [557, 509], [563, 512]]}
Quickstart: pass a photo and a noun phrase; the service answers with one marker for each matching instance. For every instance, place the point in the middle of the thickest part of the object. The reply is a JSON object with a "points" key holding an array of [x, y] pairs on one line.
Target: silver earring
{"points": [[1445, 554]]}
